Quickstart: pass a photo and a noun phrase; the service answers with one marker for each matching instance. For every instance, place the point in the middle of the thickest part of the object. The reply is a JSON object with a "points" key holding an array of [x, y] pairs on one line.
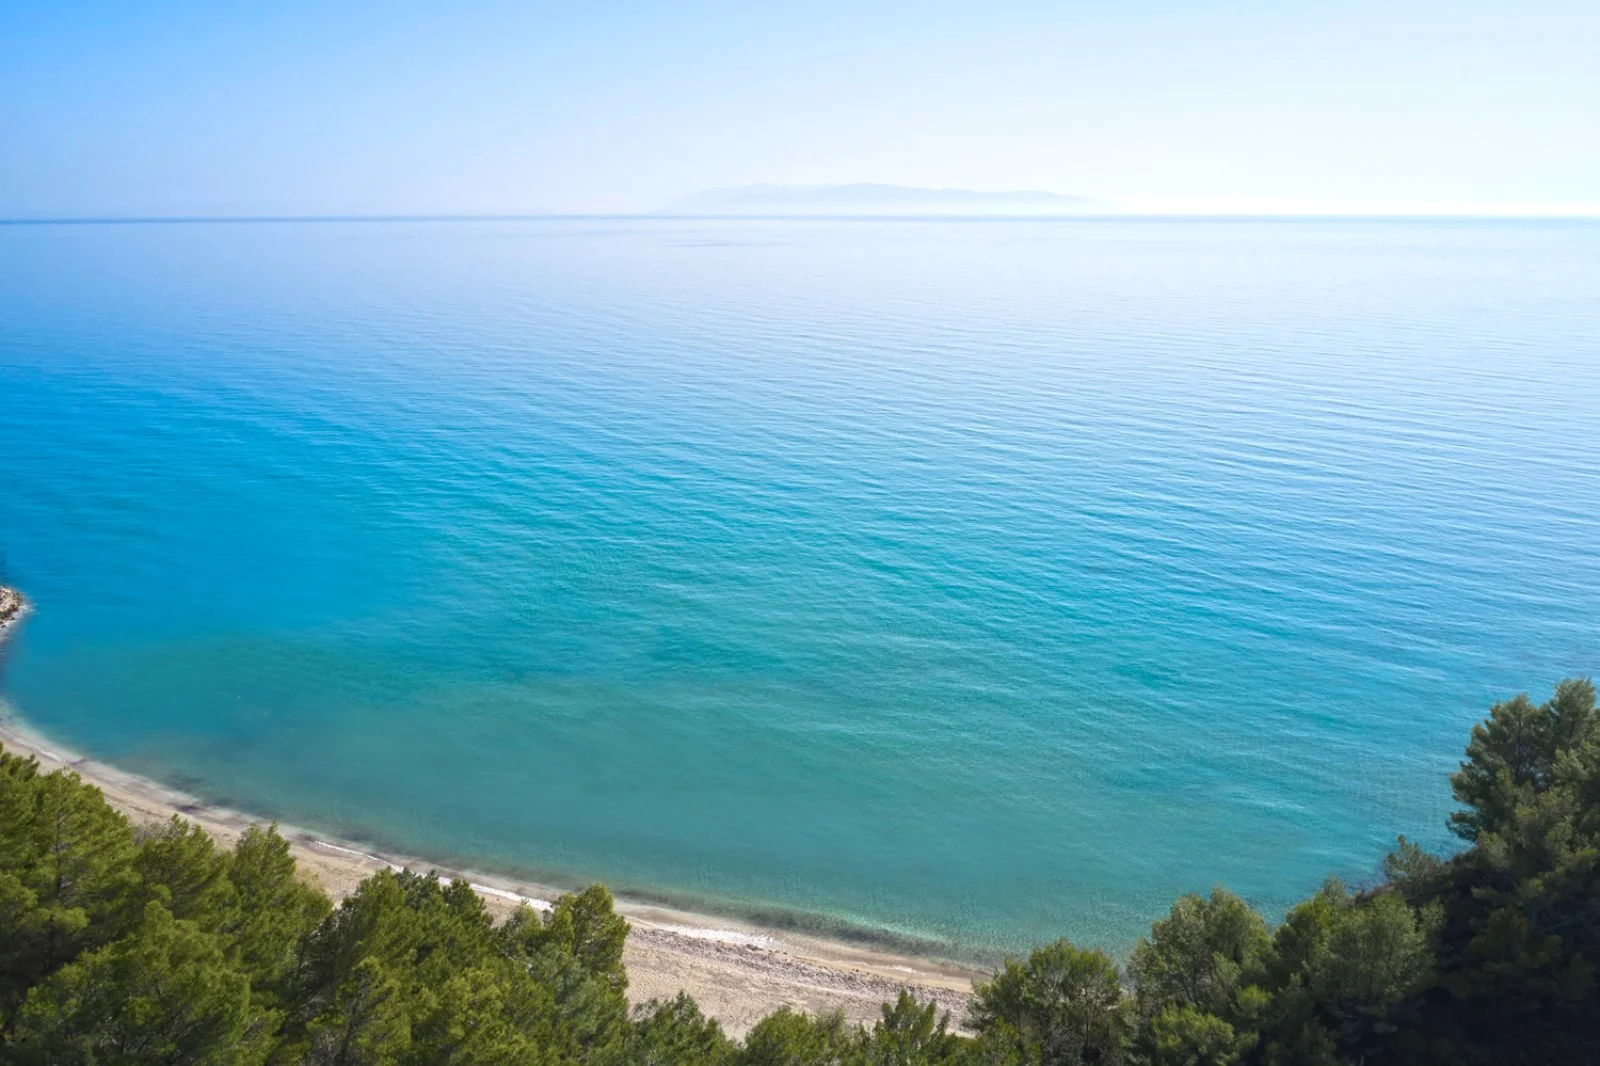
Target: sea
{"points": [[950, 585]]}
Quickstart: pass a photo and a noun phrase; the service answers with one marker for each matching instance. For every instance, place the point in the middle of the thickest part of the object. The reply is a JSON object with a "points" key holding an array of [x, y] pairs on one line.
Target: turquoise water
{"points": [[964, 583]]}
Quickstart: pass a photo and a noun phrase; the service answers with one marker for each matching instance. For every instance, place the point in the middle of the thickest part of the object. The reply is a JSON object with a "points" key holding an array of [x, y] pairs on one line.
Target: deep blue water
{"points": [[975, 582]]}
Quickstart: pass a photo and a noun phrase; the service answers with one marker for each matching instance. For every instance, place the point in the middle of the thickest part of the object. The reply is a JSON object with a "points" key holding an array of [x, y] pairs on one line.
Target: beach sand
{"points": [[738, 973]]}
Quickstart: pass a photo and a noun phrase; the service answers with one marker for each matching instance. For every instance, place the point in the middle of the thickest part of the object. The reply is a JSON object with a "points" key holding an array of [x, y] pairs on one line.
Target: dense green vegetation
{"points": [[121, 946]]}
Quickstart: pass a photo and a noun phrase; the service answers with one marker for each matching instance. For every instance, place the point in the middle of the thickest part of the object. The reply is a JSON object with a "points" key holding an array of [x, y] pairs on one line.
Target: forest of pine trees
{"points": [[121, 945]]}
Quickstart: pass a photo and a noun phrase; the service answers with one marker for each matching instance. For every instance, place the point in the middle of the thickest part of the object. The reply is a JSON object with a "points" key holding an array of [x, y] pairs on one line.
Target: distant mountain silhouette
{"points": [[870, 199]]}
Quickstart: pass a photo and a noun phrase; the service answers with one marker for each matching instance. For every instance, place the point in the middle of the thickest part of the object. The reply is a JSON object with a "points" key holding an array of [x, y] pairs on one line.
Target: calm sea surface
{"points": [[970, 583]]}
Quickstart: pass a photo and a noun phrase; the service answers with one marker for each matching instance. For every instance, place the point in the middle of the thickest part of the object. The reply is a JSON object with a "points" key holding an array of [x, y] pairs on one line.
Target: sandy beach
{"points": [[737, 972]]}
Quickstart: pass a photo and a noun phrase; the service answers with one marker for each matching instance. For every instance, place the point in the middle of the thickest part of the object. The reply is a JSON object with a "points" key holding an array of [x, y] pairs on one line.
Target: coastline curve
{"points": [[738, 971]]}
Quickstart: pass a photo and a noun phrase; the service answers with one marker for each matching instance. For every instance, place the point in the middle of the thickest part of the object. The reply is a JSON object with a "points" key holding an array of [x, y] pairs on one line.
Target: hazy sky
{"points": [[201, 108]]}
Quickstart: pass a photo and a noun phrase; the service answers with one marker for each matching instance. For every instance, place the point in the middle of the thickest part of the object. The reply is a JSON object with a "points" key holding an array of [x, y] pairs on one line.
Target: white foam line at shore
{"points": [[690, 932], [357, 854], [721, 936], [532, 901], [486, 890], [13, 728]]}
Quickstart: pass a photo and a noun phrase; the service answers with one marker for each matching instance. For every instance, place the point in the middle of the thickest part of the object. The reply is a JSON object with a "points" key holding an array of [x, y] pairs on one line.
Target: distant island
{"points": [[880, 200]]}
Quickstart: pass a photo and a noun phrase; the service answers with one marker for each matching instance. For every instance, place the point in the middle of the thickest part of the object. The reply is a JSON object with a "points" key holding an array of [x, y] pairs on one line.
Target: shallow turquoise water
{"points": [[970, 583]]}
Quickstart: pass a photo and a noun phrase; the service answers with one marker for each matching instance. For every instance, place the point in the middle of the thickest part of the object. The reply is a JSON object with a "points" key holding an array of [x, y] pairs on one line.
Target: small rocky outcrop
{"points": [[12, 606]]}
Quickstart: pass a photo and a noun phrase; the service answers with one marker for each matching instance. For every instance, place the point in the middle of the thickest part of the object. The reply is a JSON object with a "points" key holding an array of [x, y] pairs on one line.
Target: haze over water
{"points": [[972, 583]]}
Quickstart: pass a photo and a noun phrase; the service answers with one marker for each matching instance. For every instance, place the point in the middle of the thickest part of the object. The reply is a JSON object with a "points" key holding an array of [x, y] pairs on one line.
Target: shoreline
{"points": [[737, 971]]}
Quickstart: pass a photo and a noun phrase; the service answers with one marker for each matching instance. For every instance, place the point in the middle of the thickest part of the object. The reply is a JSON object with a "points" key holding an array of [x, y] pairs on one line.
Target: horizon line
{"points": [[554, 216]]}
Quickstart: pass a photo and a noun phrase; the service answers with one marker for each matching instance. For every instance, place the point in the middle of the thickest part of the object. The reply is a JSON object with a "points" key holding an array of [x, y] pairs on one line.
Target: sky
{"points": [[1209, 106]]}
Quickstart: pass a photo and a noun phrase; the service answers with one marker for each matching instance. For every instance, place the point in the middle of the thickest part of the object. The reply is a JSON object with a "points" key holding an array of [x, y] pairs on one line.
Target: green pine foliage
{"points": [[675, 1033], [163, 993], [123, 946], [1063, 1005]]}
